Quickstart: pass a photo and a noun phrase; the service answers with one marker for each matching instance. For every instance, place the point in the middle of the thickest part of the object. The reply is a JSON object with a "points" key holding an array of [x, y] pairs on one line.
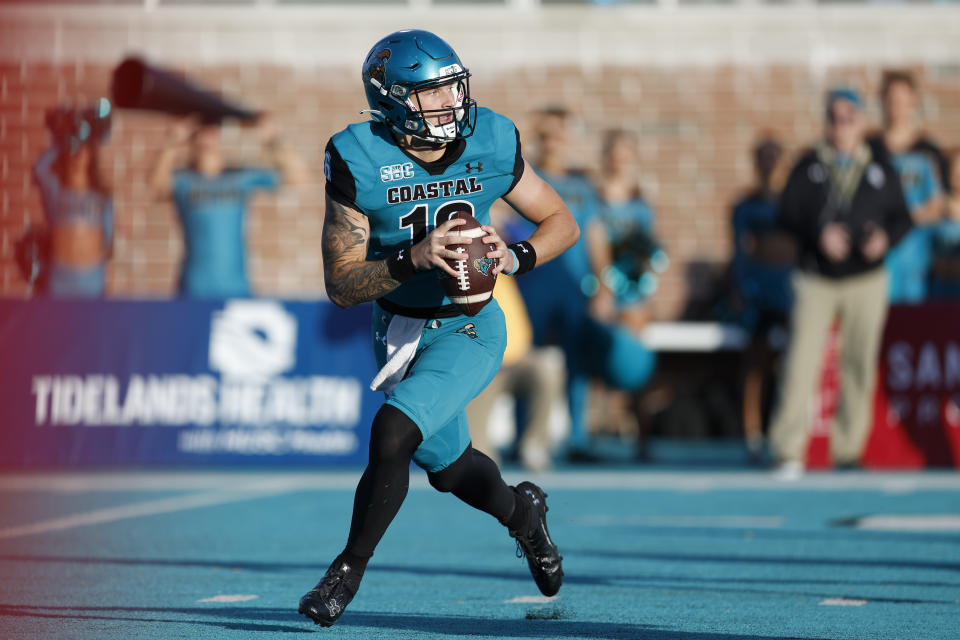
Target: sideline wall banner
{"points": [[916, 417], [917, 408], [184, 382]]}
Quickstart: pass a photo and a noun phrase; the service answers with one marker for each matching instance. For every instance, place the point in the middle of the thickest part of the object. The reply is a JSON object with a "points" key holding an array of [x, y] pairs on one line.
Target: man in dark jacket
{"points": [[846, 209]]}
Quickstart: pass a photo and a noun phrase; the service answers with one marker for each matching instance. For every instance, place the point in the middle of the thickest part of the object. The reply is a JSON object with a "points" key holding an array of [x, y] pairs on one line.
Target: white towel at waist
{"points": [[403, 336]]}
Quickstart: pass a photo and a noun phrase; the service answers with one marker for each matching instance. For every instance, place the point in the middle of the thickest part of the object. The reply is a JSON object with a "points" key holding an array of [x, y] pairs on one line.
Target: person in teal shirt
{"points": [[626, 261], [212, 201], [565, 300], [918, 162]]}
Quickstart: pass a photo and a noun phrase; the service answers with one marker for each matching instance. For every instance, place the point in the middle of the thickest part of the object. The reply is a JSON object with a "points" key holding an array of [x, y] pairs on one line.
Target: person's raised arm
{"points": [[283, 155], [43, 171], [161, 177], [557, 229], [351, 279]]}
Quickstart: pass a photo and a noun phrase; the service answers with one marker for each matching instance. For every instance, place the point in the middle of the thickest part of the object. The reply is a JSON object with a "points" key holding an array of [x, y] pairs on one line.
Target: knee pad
{"points": [[393, 437]]}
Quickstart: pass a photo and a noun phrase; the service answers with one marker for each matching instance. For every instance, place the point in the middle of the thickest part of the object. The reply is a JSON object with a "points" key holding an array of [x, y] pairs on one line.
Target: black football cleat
{"points": [[325, 602], [543, 557]]}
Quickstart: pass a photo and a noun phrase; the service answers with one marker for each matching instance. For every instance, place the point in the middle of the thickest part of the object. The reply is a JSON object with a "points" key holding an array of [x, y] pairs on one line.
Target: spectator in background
{"points": [[846, 208], [626, 258], [212, 199], [763, 258], [560, 296], [77, 202], [945, 278], [920, 165], [527, 373]]}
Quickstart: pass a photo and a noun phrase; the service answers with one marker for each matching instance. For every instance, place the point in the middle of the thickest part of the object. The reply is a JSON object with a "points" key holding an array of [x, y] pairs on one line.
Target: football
{"points": [[472, 289]]}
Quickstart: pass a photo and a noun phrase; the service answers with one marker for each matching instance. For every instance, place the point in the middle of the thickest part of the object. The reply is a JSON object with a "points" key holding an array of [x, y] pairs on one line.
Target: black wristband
{"points": [[400, 266], [526, 256]]}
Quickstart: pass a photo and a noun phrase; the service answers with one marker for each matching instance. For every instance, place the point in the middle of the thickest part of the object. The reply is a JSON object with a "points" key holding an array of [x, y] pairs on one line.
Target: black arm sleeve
{"points": [[517, 163], [341, 186]]}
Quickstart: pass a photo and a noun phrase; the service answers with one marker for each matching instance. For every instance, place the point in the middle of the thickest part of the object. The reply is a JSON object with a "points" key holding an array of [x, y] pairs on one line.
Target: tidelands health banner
{"points": [[184, 382]]}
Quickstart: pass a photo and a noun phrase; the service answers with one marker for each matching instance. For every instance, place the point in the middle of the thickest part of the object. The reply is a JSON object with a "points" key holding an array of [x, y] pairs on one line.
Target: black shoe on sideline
{"points": [[542, 555], [325, 602]]}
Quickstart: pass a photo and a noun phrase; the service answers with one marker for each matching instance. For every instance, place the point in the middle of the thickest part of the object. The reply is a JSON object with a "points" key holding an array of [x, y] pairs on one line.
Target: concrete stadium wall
{"points": [[696, 84]]}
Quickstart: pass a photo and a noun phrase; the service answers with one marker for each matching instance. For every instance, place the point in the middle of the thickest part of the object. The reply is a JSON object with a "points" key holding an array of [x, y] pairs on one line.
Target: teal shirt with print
{"points": [[405, 198], [908, 262], [213, 211]]}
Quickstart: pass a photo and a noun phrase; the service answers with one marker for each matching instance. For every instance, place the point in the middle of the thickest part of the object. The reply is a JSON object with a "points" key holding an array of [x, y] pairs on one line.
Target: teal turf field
{"points": [[654, 555]]}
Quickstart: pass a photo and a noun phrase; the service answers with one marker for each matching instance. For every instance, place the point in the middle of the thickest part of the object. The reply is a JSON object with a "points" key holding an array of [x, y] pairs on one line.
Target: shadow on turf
{"points": [[521, 573], [444, 625]]}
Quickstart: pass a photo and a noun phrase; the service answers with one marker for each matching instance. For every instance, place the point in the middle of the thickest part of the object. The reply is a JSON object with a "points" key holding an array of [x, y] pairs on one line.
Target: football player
{"points": [[392, 185]]}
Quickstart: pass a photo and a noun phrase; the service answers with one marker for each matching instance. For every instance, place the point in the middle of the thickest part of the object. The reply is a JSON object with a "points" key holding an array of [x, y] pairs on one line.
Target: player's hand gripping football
{"points": [[431, 251], [501, 254]]}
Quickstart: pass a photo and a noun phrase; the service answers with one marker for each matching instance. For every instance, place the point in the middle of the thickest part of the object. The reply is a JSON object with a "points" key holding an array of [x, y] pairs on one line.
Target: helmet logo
{"points": [[376, 68]]}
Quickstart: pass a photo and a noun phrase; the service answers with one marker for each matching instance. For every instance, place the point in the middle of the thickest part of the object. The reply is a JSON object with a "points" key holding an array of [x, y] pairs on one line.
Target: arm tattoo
{"points": [[351, 279]]}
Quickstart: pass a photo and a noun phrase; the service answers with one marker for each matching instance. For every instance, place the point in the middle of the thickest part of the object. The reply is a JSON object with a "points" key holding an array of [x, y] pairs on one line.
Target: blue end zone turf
{"points": [[653, 556]]}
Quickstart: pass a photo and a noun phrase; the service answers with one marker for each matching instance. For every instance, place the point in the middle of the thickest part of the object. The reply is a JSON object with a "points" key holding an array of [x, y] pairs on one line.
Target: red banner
{"points": [[916, 419]]}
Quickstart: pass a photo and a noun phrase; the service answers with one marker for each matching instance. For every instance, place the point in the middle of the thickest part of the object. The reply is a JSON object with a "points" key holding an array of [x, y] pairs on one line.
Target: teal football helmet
{"points": [[400, 68]]}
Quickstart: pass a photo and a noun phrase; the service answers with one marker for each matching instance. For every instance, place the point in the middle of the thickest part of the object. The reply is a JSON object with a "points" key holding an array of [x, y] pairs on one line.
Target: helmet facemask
{"points": [[438, 110], [439, 107]]}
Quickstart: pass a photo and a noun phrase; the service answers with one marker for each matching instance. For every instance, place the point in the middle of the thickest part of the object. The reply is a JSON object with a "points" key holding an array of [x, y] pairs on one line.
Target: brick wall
{"points": [[696, 124]]}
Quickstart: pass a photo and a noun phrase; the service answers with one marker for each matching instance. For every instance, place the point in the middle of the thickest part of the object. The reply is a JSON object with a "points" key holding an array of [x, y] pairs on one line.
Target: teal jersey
{"points": [[909, 261], [213, 211], [405, 198]]}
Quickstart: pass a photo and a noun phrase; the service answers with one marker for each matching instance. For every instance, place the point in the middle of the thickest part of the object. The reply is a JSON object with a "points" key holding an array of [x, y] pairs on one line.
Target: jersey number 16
{"points": [[418, 220]]}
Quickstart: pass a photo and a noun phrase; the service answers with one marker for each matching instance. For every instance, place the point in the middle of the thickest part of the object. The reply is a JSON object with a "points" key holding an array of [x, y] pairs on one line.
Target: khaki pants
{"points": [[535, 377], [860, 304]]}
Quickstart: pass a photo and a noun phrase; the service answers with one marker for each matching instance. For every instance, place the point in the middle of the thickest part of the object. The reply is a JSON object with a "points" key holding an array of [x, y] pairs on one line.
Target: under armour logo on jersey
{"points": [[478, 168], [400, 255]]}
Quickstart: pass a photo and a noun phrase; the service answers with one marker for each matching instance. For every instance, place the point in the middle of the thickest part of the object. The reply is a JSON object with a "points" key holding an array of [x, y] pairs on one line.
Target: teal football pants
{"points": [[456, 359]]}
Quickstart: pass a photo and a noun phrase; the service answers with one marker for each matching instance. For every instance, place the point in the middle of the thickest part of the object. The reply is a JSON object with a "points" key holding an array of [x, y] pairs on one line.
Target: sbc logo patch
{"points": [[391, 172]]}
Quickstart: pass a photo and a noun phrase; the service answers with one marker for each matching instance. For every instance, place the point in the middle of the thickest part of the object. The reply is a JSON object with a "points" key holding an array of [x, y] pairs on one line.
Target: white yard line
{"points": [[148, 508], [842, 602], [80, 481], [226, 487], [887, 482], [691, 521], [531, 600], [910, 522], [230, 598]]}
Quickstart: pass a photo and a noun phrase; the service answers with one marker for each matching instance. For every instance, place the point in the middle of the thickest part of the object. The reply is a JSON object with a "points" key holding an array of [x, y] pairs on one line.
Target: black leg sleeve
{"points": [[475, 479], [383, 486]]}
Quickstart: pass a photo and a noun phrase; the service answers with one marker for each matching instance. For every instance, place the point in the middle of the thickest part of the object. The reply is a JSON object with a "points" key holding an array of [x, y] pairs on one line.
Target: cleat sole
{"points": [[317, 619]]}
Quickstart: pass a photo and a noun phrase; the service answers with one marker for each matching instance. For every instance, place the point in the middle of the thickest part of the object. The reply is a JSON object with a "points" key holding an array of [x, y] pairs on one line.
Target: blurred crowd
{"points": [[868, 216]]}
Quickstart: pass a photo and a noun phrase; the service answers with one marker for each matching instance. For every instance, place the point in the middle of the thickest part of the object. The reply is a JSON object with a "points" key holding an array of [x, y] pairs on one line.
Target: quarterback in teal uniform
{"points": [[393, 185]]}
